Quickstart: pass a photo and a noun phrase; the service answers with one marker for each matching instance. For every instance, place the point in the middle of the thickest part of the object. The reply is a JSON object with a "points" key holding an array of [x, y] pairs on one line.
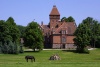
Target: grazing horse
{"points": [[30, 57]]}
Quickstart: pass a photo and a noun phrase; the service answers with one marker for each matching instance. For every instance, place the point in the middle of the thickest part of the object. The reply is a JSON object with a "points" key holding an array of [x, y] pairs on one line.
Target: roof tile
{"points": [[54, 11]]}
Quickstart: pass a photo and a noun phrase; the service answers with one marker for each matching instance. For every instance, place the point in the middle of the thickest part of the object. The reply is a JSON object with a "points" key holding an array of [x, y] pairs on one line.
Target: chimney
{"points": [[41, 23]]}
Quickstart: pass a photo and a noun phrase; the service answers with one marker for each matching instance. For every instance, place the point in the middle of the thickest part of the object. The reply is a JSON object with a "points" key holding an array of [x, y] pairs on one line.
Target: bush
{"points": [[5, 48], [21, 49], [83, 50], [14, 48], [10, 48]]}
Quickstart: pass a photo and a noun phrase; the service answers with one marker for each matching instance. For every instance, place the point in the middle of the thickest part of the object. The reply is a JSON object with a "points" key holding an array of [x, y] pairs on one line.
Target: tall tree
{"points": [[13, 29], [82, 39], [4, 32], [6, 41], [95, 29], [87, 33], [33, 37], [97, 43]]}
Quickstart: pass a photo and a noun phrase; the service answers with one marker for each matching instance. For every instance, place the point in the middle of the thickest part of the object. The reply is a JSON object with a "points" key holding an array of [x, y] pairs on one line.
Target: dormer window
{"points": [[63, 32]]}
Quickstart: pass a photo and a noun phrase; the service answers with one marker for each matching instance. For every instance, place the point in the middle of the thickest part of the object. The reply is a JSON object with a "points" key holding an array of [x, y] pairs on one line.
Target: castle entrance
{"points": [[63, 46]]}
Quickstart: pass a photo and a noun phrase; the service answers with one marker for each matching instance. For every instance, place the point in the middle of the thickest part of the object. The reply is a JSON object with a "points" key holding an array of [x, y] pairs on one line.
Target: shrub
{"points": [[21, 49], [10, 48], [83, 50], [86, 51]]}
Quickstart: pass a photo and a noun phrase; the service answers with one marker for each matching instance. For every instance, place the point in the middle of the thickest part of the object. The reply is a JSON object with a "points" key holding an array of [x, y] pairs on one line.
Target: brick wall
{"points": [[56, 39], [70, 39]]}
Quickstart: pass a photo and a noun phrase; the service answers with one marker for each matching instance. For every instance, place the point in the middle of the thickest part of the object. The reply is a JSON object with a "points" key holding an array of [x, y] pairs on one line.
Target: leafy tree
{"points": [[9, 33], [63, 19], [33, 37], [4, 33], [95, 34], [21, 29], [13, 30], [69, 19], [98, 36], [94, 26], [82, 39], [87, 33]]}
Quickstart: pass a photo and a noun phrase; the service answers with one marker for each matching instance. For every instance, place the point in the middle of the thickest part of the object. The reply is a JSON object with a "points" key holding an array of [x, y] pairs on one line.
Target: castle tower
{"points": [[54, 16]]}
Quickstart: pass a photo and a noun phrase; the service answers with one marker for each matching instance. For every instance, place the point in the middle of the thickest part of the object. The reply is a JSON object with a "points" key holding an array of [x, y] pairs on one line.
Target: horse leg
{"points": [[31, 60], [27, 60], [34, 59]]}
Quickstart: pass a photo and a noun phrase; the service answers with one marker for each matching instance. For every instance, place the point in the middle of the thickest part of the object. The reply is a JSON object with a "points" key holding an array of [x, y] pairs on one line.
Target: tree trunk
{"points": [[34, 49], [94, 44]]}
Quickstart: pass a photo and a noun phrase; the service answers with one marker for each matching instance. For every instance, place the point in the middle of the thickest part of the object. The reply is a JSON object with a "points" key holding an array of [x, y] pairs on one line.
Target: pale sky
{"points": [[25, 11]]}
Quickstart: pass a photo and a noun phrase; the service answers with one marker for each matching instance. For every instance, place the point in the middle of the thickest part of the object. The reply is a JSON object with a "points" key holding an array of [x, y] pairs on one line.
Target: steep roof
{"points": [[54, 11], [69, 26]]}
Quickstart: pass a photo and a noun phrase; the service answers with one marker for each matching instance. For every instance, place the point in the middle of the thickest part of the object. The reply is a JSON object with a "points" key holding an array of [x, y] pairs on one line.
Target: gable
{"points": [[61, 27], [68, 27]]}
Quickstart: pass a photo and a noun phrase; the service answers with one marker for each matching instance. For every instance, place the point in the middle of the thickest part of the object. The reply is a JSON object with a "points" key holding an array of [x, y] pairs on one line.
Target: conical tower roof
{"points": [[54, 11]]}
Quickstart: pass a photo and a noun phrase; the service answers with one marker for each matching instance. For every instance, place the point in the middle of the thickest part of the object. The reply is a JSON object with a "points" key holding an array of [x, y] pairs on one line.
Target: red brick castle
{"points": [[58, 34]]}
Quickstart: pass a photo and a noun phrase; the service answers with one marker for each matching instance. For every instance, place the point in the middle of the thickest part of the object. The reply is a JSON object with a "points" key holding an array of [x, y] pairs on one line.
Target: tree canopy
{"points": [[69, 19], [82, 39], [21, 29], [9, 36], [33, 37], [13, 29], [87, 34], [4, 32], [94, 26]]}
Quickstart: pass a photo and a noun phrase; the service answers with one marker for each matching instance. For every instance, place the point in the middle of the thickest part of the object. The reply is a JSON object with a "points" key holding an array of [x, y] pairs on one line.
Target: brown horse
{"points": [[30, 57]]}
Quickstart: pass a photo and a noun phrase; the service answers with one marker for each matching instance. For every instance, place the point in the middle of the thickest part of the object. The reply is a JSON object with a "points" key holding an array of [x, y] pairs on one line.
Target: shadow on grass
{"points": [[74, 51], [97, 59], [32, 51]]}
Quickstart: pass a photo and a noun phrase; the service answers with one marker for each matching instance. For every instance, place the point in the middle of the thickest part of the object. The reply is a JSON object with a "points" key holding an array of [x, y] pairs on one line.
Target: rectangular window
{"points": [[63, 32], [52, 20], [63, 39]]}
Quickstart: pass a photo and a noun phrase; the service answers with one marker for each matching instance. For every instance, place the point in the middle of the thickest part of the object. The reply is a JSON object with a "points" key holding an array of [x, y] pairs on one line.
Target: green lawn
{"points": [[68, 59]]}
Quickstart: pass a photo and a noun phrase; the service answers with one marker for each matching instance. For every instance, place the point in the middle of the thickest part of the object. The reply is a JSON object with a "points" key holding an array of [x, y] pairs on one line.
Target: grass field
{"points": [[68, 59]]}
